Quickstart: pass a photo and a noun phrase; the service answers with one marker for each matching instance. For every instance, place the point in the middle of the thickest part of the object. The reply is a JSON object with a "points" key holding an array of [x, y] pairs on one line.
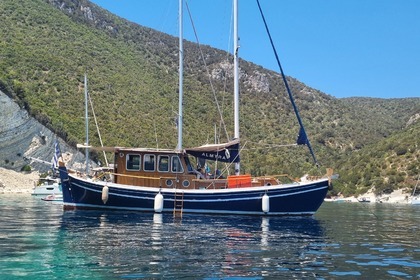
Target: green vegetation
{"points": [[133, 81], [390, 164], [26, 168]]}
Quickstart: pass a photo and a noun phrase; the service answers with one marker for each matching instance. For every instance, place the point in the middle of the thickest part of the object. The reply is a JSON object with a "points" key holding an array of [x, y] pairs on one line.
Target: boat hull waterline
{"points": [[291, 199]]}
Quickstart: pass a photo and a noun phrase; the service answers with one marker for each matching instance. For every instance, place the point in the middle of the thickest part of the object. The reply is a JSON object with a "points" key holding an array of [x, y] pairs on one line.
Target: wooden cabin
{"points": [[159, 168], [170, 169]]}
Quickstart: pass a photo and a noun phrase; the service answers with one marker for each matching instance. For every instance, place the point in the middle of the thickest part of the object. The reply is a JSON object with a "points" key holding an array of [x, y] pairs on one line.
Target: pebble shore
{"points": [[17, 182]]}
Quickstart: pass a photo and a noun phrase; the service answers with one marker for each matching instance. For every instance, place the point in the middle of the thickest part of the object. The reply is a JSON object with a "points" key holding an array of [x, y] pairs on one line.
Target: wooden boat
{"points": [[163, 180]]}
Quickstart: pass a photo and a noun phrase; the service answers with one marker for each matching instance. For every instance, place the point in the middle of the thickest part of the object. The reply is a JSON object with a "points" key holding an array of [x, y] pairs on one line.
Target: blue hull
{"points": [[293, 199]]}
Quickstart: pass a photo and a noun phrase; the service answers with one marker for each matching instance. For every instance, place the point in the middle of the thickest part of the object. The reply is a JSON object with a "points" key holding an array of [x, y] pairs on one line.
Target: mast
{"points": [[87, 126], [181, 69], [236, 77]]}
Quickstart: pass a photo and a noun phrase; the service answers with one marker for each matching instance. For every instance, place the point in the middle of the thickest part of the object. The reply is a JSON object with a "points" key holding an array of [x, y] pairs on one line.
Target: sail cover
{"points": [[226, 152], [302, 138]]}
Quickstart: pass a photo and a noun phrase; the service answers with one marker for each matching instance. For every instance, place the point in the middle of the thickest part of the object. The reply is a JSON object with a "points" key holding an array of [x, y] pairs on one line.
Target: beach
{"points": [[17, 182], [397, 196]]}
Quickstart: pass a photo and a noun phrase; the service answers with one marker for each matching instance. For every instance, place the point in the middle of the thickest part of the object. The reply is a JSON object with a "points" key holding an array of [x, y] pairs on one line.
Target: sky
{"points": [[344, 48]]}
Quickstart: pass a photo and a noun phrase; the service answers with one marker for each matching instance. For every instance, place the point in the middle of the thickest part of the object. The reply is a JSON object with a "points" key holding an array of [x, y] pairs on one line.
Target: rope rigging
{"points": [[207, 71]]}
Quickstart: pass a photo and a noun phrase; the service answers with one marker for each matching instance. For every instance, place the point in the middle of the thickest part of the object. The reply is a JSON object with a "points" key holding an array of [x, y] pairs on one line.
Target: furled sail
{"points": [[302, 138]]}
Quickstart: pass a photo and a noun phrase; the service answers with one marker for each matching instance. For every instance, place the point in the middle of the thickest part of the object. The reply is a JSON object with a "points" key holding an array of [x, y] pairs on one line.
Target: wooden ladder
{"points": [[178, 204]]}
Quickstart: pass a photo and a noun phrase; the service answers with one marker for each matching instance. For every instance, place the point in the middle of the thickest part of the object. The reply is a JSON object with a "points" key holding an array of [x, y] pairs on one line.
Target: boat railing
{"points": [[210, 183], [277, 176]]}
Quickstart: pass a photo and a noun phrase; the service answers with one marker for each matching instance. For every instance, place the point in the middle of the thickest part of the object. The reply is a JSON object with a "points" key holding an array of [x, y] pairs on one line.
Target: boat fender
{"points": [[158, 203], [105, 191], [265, 203]]}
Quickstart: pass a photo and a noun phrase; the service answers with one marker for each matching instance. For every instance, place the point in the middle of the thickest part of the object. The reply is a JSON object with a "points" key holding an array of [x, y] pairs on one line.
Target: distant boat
{"points": [[415, 199], [163, 180], [364, 199], [47, 186], [338, 200]]}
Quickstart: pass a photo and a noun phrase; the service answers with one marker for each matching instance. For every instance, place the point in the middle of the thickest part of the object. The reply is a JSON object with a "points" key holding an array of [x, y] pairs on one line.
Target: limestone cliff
{"points": [[23, 137]]}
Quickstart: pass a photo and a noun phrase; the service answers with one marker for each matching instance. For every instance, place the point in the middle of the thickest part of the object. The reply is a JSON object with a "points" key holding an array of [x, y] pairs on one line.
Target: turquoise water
{"points": [[38, 240]]}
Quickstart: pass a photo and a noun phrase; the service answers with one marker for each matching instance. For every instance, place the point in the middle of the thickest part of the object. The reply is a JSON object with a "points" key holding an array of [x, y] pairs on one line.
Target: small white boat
{"points": [[415, 199], [338, 199], [364, 199], [47, 186]]}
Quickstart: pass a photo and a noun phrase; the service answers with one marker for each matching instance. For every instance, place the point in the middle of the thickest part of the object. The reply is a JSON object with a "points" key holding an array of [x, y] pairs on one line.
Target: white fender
{"points": [[105, 191], [265, 203], [158, 203]]}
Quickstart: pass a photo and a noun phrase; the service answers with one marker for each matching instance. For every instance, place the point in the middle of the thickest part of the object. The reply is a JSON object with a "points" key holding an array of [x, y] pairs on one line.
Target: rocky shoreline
{"points": [[398, 196]]}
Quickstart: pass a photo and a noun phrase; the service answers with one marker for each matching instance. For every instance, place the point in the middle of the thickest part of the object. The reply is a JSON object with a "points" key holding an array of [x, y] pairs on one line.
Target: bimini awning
{"points": [[225, 152]]}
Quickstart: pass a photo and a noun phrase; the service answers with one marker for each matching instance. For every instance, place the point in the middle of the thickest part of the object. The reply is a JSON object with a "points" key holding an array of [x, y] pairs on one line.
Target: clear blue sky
{"points": [[344, 48]]}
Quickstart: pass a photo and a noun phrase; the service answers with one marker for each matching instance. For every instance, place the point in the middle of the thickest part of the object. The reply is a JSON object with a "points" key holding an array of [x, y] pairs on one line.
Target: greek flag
{"points": [[57, 154]]}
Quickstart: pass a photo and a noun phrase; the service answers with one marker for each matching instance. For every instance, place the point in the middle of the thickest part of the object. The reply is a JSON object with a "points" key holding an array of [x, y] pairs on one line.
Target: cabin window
{"points": [[133, 162], [189, 166], [176, 165], [149, 163], [163, 163]]}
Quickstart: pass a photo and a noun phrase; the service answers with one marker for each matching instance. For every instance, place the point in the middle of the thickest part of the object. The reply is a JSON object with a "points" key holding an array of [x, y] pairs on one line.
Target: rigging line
{"points": [[267, 145], [255, 149], [97, 128], [207, 70], [156, 137], [287, 86], [225, 77], [230, 45], [229, 164]]}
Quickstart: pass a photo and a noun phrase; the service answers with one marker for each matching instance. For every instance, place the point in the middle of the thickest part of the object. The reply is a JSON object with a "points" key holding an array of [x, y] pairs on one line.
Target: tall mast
{"points": [[236, 76], [181, 69], [87, 126]]}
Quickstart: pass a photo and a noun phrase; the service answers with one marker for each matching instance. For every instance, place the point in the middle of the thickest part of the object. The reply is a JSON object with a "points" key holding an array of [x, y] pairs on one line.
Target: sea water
{"points": [[38, 240]]}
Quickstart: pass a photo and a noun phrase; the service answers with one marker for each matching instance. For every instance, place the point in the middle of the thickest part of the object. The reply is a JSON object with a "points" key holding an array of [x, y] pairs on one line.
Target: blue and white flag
{"points": [[57, 154]]}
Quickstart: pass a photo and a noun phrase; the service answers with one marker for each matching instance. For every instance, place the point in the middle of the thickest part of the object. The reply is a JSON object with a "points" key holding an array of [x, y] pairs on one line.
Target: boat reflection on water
{"points": [[159, 245], [156, 233]]}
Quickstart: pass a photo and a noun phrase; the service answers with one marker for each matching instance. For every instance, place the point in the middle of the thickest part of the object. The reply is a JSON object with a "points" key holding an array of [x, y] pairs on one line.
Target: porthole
{"points": [[169, 183], [186, 183], [121, 154]]}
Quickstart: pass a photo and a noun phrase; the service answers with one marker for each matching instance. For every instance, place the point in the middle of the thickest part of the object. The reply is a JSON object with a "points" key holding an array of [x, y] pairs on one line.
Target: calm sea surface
{"points": [[38, 240]]}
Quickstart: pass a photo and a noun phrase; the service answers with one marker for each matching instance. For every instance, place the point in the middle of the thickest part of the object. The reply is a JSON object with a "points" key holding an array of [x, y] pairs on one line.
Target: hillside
{"points": [[48, 46], [392, 163]]}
